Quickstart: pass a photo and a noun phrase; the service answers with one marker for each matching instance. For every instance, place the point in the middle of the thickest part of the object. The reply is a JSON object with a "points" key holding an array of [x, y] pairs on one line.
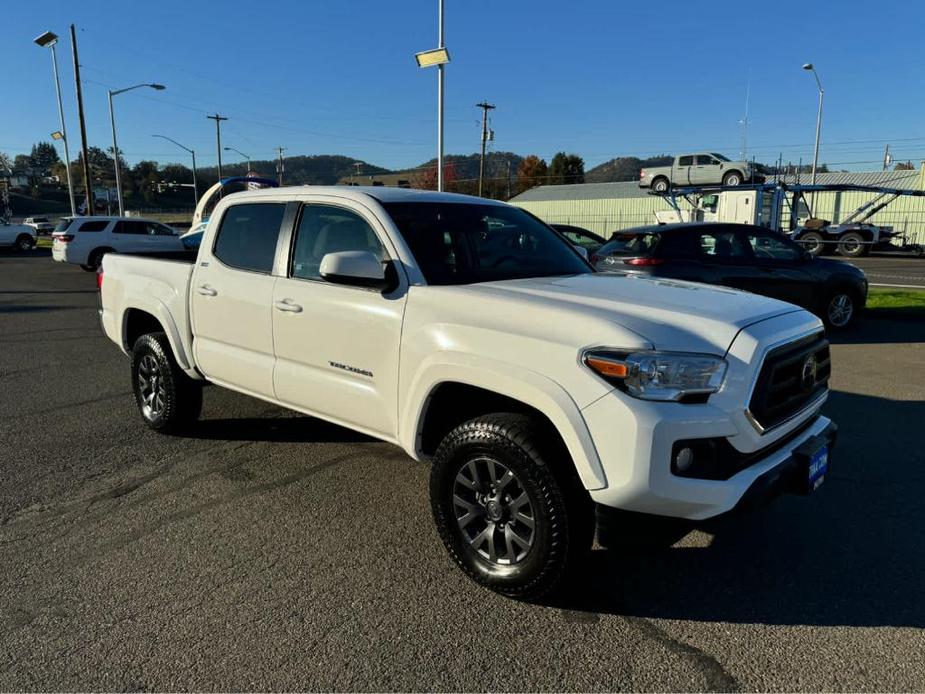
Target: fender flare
{"points": [[509, 380], [159, 310]]}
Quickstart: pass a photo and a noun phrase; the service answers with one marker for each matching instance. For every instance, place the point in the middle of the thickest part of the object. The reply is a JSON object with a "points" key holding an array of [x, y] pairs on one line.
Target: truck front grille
{"points": [[792, 377]]}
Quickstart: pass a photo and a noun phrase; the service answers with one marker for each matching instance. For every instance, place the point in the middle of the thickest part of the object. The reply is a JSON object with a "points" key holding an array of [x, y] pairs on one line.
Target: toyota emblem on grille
{"points": [[808, 373]]}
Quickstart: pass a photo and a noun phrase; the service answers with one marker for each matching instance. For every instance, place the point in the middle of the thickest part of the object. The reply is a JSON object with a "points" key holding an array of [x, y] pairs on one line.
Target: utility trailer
{"points": [[764, 204]]}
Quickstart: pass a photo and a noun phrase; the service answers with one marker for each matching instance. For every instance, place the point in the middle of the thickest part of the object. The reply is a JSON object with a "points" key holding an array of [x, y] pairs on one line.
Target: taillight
{"points": [[642, 174], [99, 278], [64, 238], [595, 257], [644, 261]]}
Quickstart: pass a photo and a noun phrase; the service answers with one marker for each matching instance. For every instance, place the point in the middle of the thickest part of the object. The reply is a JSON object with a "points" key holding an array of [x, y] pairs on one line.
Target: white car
{"points": [[19, 236], [475, 337], [84, 240], [40, 224]]}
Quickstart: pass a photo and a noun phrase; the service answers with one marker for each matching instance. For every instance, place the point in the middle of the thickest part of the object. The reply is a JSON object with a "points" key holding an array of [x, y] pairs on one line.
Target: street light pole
{"points": [[83, 124], [440, 75], [232, 149], [50, 39], [115, 146], [810, 68], [193, 155]]}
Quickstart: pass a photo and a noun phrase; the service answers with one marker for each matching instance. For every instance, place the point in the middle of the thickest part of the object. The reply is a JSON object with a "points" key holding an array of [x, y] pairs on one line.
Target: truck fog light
{"points": [[683, 460]]}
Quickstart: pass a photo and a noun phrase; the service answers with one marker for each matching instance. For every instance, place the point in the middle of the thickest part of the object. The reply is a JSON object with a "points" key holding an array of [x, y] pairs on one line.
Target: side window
{"points": [[723, 244], [247, 236], [766, 246], [125, 227], [705, 160], [686, 161], [97, 225], [327, 229]]}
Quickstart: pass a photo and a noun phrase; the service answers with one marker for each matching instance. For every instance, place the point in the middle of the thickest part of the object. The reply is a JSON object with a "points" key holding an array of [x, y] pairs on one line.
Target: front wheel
{"points": [[733, 178], [25, 243], [167, 398], [840, 309], [509, 507]]}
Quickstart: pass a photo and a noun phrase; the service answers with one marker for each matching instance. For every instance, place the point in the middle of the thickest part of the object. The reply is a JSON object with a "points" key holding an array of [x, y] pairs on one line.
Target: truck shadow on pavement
{"points": [[886, 327], [853, 554]]}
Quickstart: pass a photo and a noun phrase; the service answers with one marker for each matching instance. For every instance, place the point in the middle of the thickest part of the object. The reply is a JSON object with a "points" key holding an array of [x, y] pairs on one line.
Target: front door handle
{"points": [[288, 306], [206, 290]]}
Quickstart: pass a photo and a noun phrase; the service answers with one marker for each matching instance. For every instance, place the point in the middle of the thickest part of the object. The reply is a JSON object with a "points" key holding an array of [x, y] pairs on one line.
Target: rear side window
{"points": [[686, 161], [247, 236], [97, 225], [64, 224]]}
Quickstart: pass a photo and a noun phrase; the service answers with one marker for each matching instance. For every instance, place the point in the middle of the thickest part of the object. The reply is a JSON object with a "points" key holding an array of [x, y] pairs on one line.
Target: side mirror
{"points": [[582, 251], [356, 268]]}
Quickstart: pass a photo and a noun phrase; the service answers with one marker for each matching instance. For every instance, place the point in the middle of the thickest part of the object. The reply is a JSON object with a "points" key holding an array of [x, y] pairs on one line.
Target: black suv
{"points": [[745, 257]]}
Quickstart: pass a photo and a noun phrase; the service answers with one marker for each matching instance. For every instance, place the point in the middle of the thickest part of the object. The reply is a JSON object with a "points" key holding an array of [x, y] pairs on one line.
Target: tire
{"points": [[542, 489], [24, 243], [660, 185], [167, 398], [733, 178], [95, 259], [852, 245], [840, 310], [813, 243]]}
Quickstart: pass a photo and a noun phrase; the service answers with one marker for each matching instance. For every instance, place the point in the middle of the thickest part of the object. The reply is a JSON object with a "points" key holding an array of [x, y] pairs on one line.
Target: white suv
{"points": [[84, 240]]}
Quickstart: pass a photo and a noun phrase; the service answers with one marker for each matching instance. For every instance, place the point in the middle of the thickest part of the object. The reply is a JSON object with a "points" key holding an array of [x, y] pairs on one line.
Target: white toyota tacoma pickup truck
{"points": [[475, 337]]}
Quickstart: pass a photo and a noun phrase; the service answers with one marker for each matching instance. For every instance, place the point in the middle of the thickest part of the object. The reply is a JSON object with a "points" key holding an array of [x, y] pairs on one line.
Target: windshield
{"points": [[720, 156], [630, 243], [462, 243]]}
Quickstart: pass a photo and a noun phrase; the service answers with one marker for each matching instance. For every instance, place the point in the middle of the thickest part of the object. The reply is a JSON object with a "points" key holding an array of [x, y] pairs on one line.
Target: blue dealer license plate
{"points": [[818, 468]]}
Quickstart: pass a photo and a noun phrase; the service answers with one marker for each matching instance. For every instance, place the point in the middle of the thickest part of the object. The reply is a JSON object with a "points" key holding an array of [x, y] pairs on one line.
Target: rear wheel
{"points": [[95, 259], [813, 243], [852, 245], [167, 398], [660, 185], [508, 505], [24, 242]]}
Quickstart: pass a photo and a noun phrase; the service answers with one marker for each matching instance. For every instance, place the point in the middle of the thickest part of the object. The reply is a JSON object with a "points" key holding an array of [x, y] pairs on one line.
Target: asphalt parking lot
{"points": [[270, 551], [893, 271]]}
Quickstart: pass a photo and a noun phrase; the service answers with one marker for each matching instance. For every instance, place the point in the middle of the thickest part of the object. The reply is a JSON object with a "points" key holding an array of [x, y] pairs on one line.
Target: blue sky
{"points": [[597, 77]]}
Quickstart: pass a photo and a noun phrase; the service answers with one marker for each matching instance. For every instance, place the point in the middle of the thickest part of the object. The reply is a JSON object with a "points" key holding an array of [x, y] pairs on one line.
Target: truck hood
{"points": [[666, 314]]}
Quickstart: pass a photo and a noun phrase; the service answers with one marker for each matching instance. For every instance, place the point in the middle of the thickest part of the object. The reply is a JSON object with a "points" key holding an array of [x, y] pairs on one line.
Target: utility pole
{"points": [[486, 107], [280, 167], [508, 179], [218, 140], [440, 76], [83, 125]]}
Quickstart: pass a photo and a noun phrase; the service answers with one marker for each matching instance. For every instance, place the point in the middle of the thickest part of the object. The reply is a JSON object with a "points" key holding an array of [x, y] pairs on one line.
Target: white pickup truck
{"points": [[475, 337]]}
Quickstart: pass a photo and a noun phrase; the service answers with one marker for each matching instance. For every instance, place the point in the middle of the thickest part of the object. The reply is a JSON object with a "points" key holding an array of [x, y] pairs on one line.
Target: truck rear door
{"points": [[231, 296], [682, 171]]}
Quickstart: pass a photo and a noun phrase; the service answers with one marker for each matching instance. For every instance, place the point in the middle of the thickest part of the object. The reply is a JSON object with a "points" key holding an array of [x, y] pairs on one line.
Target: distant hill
{"points": [[466, 166], [320, 169], [624, 168]]}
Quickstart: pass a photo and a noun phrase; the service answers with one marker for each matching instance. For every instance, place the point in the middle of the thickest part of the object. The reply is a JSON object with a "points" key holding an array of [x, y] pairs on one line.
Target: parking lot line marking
{"points": [[904, 286]]}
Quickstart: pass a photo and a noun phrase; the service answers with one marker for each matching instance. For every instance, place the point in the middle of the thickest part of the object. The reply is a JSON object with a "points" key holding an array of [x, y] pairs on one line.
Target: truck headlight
{"points": [[649, 375]]}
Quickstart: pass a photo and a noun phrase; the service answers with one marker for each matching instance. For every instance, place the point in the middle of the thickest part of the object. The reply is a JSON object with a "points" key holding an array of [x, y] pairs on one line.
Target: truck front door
{"points": [[337, 346], [231, 297], [681, 176], [705, 170]]}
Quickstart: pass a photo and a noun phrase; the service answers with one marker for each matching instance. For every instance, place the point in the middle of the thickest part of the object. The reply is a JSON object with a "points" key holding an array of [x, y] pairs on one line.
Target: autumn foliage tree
{"points": [[531, 173], [426, 179]]}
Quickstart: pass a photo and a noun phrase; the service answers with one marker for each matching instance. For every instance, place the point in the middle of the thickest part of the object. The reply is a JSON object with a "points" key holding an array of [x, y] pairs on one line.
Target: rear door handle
{"points": [[206, 290], [288, 306]]}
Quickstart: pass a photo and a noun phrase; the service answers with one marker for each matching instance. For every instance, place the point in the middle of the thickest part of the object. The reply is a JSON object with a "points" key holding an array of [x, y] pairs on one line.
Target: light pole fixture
{"points": [[232, 149], [810, 68], [193, 155], [115, 147], [440, 57], [49, 40]]}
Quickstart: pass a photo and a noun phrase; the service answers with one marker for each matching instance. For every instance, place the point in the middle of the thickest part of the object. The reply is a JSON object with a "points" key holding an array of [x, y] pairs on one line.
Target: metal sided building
{"points": [[607, 207]]}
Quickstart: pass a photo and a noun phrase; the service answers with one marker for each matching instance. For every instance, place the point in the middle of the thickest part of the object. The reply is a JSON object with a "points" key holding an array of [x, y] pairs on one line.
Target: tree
{"points": [[427, 178], [22, 162], [531, 173], [43, 157], [566, 168]]}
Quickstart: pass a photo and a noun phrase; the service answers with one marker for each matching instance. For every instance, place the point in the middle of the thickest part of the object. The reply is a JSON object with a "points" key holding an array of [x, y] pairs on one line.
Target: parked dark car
{"points": [[745, 257], [580, 237]]}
